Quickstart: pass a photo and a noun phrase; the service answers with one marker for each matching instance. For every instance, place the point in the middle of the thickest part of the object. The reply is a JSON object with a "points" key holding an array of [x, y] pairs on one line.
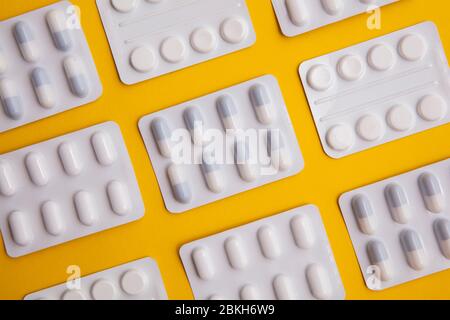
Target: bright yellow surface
{"points": [[160, 234]]}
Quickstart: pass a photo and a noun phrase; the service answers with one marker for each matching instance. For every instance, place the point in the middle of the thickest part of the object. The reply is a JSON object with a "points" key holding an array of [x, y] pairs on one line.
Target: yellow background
{"points": [[160, 234]]}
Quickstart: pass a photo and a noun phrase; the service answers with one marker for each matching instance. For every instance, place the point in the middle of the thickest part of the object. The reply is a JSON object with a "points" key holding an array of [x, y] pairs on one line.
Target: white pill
{"points": [[212, 173], [228, 112], [333, 7], [57, 23], [203, 40], [119, 198], [163, 136], [319, 282], [124, 6], [320, 78], [249, 292], [52, 217], [400, 118], [379, 257], [398, 203], [248, 170], [234, 30], [134, 282], [203, 264], [364, 214], [340, 137], [3, 62], [86, 209], [103, 290], [26, 41], [180, 187], [173, 49], [76, 76], [370, 128], [414, 249], [432, 108], [70, 158], [298, 14], [442, 231], [262, 104], [43, 88], [235, 253], [279, 153], [283, 288], [143, 59], [303, 232], [381, 57], [269, 243], [37, 169], [104, 149], [20, 229], [412, 47], [350, 68], [216, 297], [432, 193], [7, 180], [73, 295]]}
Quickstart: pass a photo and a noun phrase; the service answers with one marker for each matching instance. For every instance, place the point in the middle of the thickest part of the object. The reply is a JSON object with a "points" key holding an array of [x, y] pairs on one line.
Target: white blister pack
{"points": [[400, 227], [378, 91], [66, 188], [46, 66], [284, 257], [137, 280], [222, 144], [149, 38], [299, 16]]}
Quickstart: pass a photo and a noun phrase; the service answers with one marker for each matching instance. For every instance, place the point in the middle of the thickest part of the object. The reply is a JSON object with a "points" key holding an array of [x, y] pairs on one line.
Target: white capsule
{"points": [[57, 23], [69, 156], [27, 43], [298, 14], [86, 209], [279, 154], [398, 203], [283, 288], [119, 198], [249, 292], [212, 173], [235, 253], [379, 257], [268, 242], [333, 7], [432, 193], [10, 98], [195, 124], [414, 249], [52, 217], [20, 229], [203, 264], [247, 170], [43, 88], [7, 180], [162, 135], [303, 232], [180, 187], [442, 231], [104, 148], [3, 62], [37, 169], [365, 217], [228, 112], [262, 104], [76, 76], [319, 282]]}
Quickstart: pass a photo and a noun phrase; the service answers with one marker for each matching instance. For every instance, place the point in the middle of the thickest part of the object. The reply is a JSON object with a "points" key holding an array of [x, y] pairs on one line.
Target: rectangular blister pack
{"points": [[284, 257], [299, 16], [149, 38], [137, 280], [67, 188], [46, 66], [378, 91], [400, 227], [222, 144]]}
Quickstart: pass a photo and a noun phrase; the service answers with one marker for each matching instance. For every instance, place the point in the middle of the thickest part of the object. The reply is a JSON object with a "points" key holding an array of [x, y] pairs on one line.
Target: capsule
{"points": [[235, 253], [11, 101], [57, 23], [283, 288], [442, 231], [7, 181], [414, 249], [280, 156], [319, 282], [20, 229], [27, 43], [69, 156], [195, 124], [52, 217], [37, 169], [43, 88], [162, 135], [363, 211], [303, 232], [298, 14], [398, 203], [203, 264], [379, 256], [332, 7], [76, 76], [432, 194], [212, 173], [104, 149], [262, 104], [3, 62], [228, 112], [249, 292], [85, 207], [268, 242], [119, 198], [249, 172], [180, 187]]}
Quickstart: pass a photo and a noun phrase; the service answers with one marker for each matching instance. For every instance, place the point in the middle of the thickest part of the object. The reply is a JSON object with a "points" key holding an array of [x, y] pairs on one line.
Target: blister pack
{"points": [[137, 280], [284, 257], [378, 91], [400, 227], [221, 144], [46, 66], [66, 188], [149, 38]]}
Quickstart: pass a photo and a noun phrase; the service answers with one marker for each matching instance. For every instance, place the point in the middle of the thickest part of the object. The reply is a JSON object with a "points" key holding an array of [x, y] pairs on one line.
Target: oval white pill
{"points": [[297, 12], [3, 62], [7, 180], [73, 295], [333, 7], [20, 229], [268, 242], [381, 58], [143, 59], [235, 253], [104, 149], [283, 288], [370, 128], [37, 169], [234, 30], [432, 108], [26, 41], [340, 137], [203, 40], [124, 6], [134, 282], [119, 198], [319, 282], [400, 118], [320, 78], [303, 231], [68, 153], [173, 49], [52, 217], [412, 47], [103, 290], [350, 68], [203, 264], [249, 292], [85, 207], [379, 257]]}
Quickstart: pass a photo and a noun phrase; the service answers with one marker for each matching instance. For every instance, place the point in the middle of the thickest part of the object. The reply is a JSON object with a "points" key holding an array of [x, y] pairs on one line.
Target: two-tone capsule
{"points": [[364, 214], [76, 76], [57, 23], [10, 98], [43, 88], [212, 173], [27, 43], [262, 104], [195, 124], [442, 232], [319, 281], [414, 249], [279, 154], [180, 187], [163, 136], [379, 257], [398, 203], [432, 193], [248, 170], [228, 112]]}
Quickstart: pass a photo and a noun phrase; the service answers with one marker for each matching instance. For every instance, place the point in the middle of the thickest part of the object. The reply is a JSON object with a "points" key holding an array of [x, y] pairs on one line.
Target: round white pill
{"points": [[143, 59], [124, 6], [400, 118], [412, 47], [369, 128], [103, 290], [340, 137], [381, 58], [350, 68], [203, 40], [432, 108], [133, 282], [173, 49], [234, 30], [320, 78], [73, 295]]}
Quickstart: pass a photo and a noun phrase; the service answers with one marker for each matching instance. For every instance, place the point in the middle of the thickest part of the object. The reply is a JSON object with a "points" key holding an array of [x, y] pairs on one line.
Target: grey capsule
{"points": [[432, 193], [56, 21], [227, 111], [180, 187], [194, 122], [442, 232], [275, 140], [162, 135], [26, 41], [363, 211], [397, 203], [262, 103], [414, 249], [379, 257], [11, 101], [76, 76]]}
